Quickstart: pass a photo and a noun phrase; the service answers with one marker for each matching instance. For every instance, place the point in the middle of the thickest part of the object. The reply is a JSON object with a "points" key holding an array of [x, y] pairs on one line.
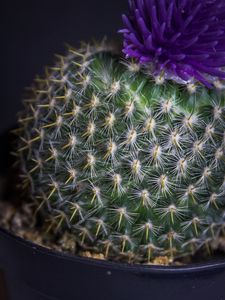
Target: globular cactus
{"points": [[133, 165]]}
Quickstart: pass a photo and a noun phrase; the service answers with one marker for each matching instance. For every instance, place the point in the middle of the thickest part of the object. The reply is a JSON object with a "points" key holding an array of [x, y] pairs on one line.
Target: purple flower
{"points": [[182, 39]]}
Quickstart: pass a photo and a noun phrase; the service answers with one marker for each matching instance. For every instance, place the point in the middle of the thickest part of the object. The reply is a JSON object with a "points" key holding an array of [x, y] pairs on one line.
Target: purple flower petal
{"points": [[185, 38]]}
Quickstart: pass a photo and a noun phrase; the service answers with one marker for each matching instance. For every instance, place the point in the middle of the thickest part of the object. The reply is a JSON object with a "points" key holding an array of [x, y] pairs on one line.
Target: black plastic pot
{"points": [[30, 272], [35, 273]]}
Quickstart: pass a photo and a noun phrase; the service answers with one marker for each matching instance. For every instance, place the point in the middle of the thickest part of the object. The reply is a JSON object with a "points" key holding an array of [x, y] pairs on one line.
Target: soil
{"points": [[20, 218], [21, 222]]}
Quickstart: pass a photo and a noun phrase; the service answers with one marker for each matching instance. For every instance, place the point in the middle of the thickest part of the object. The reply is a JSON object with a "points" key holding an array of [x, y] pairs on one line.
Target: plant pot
{"points": [[31, 272], [35, 273]]}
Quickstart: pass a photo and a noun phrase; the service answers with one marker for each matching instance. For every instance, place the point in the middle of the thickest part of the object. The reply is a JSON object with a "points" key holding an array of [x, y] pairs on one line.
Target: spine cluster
{"points": [[132, 167]]}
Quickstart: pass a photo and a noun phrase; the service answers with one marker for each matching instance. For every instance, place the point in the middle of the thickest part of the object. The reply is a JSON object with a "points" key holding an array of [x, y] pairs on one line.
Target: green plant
{"points": [[132, 165]]}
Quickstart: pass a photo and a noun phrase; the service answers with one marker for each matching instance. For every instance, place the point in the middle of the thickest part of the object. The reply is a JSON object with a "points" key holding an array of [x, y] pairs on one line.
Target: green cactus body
{"points": [[133, 166]]}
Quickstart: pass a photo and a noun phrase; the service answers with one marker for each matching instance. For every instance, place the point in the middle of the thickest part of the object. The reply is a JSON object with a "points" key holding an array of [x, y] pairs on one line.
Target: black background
{"points": [[32, 31]]}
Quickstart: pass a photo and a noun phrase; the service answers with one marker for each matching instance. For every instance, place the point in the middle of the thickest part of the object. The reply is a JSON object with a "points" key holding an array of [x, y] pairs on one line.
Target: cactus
{"points": [[132, 164]]}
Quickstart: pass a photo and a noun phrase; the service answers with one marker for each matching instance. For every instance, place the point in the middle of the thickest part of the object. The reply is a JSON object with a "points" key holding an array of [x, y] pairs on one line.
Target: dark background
{"points": [[32, 31]]}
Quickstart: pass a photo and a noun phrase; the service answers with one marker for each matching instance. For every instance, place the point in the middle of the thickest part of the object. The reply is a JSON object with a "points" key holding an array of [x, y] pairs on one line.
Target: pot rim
{"points": [[214, 265]]}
